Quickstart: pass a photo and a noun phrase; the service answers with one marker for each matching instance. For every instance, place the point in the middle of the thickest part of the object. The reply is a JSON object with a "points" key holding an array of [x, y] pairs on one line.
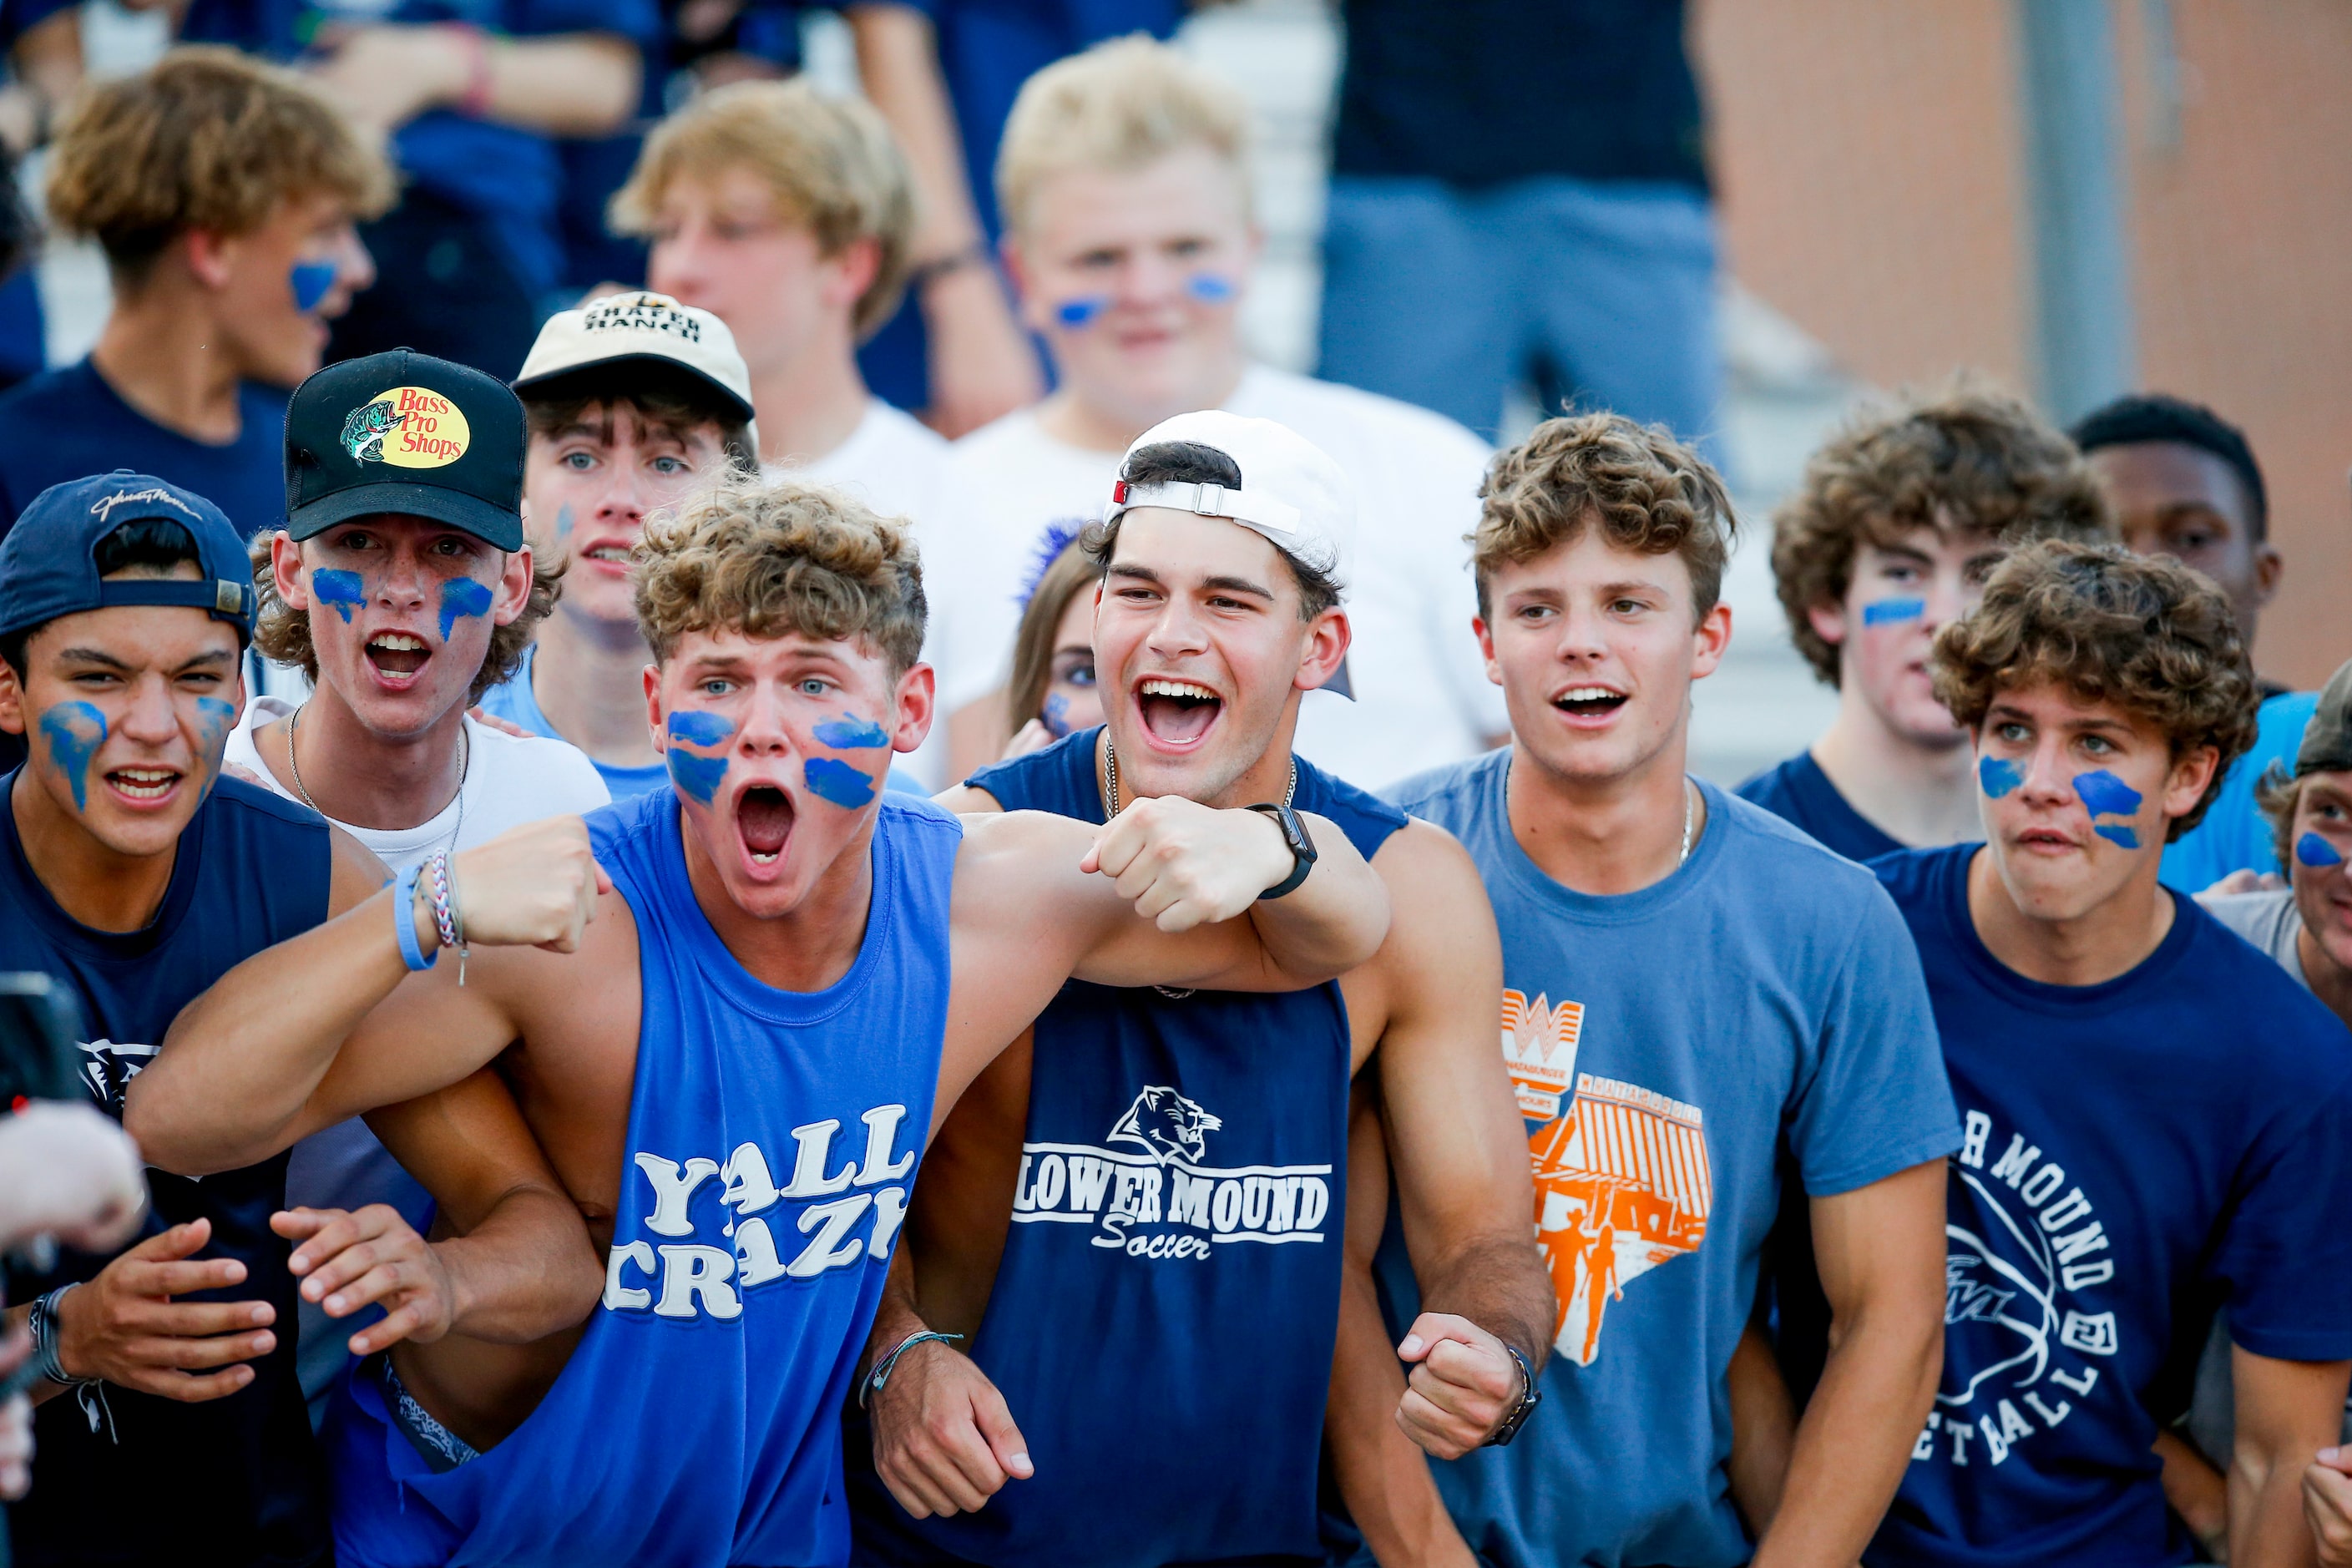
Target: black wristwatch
{"points": [[1529, 1397], [1302, 848]]}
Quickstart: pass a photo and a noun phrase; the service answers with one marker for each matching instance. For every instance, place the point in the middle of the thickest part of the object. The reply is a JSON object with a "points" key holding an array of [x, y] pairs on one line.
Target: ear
{"points": [[1328, 637], [286, 573], [2268, 566], [1031, 309], [1829, 623], [652, 678], [851, 271], [916, 706], [14, 718], [1711, 637], [212, 257], [2184, 785], [1485, 635], [514, 588]]}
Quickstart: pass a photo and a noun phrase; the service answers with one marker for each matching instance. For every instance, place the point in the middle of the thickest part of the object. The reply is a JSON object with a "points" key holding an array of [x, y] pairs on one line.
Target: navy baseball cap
{"points": [[405, 433], [48, 563]]}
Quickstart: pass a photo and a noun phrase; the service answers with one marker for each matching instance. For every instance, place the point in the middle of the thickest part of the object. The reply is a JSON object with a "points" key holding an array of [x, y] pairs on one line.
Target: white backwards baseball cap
{"points": [[1292, 494], [641, 327]]}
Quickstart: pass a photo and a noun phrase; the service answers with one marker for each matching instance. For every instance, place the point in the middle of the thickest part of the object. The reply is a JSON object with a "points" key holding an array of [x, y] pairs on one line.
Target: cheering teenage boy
{"points": [[1696, 996], [2153, 1111]]}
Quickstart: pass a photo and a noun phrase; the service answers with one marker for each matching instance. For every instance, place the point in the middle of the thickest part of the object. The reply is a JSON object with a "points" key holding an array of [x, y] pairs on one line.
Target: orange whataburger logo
{"points": [[408, 428], [1623, 1182]]}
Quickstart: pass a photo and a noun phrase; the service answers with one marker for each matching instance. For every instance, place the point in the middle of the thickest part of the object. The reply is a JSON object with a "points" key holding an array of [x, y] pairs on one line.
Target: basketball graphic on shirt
{"points": [[407, 427], [1622, 1180]]}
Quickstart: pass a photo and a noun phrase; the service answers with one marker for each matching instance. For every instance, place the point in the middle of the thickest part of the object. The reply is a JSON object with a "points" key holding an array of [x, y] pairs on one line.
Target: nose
{"points": [[1150, 279], [674, 267], [149, 718], [357, 266], [1177, 631], [1581, 639], [404, 582]]}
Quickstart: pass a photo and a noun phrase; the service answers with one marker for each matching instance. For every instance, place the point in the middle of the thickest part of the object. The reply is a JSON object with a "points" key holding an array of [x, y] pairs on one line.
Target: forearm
{"points": [[1763, 1430], [2286, 1412], [2197, 1492], [527, 1272], [899, 66], [1855, 1439], [1383, 1474], [1498, 1283], [241, 1061], [1334, 920], [575, 84], [895, 1316], [2266, 1527]]}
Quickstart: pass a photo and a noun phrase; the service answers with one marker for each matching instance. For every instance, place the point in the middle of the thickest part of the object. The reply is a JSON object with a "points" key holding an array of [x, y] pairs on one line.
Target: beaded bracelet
{"points": [[403, 922]]}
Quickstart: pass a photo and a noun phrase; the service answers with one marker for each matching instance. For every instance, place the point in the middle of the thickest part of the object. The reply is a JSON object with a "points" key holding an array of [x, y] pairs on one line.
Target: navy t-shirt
{"points": [[2129, 1150], [69, 424], [1478, 92], [229, 1480], [1800, 793]]}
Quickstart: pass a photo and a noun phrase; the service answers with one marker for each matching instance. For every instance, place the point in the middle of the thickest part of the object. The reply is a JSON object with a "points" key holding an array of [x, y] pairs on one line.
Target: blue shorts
{"points": [[378, 1522]]}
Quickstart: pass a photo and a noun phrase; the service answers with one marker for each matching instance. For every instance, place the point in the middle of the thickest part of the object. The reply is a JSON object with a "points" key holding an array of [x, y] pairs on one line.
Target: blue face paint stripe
{"points": [[2105, 794], [697, 778], [75, 731], [696, 728], [2312, 850], [837, 781], [1081, 311], [852, 733], [1999, 776], [1887, 611], [462, 596], [1056, 714], [2117, 835], [339, 591], [311, 280], [1208, 288]]}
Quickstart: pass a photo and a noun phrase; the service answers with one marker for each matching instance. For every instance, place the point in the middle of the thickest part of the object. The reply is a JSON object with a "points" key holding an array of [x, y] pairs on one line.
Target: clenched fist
{"points": [[533, 886], [1183, 864]]}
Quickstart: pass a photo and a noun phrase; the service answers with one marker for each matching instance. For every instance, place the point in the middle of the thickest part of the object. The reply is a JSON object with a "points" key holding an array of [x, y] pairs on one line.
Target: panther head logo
{"points": [[1167, 1123], [365, 428]]}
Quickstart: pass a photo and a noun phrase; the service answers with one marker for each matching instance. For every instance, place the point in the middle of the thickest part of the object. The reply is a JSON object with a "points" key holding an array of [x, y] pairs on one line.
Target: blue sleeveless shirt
{"points": [[1163, 1320], [250, 870], [772, 1143]]}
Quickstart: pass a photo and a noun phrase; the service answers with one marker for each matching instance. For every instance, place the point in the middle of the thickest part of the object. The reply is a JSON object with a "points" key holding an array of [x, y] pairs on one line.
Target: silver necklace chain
{"points": [[464, 761], [1689, 795], [1289, 791]]}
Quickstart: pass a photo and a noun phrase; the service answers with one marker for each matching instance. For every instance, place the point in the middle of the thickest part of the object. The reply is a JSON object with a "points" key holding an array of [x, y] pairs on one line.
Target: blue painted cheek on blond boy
{"points": [[838, 783], [854, 733]]}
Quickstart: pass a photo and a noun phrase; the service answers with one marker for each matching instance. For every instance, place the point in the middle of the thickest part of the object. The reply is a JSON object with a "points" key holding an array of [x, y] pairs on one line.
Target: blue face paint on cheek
{"points": [[2312, 850], [2105, 794], [697, 778], [340, 591], [562, 523], [1058, 714], [1999, 776], [311, 281], [1887, 612], [215, 719], [74, 730], [1208, 288], [852, 733], [837, 781], [2123, 836], [1081, 311], [699, 729], [462, 596]]}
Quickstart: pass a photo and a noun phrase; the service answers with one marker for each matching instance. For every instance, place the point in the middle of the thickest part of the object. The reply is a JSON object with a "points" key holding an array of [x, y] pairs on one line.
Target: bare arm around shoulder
{"points": [[330, 1022], [1880, 1250], [2287, 1411], [1458, 1149]]}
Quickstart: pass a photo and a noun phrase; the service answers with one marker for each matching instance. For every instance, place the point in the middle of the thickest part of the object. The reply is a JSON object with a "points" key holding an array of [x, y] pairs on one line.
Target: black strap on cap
{"points": [[229, 600]]}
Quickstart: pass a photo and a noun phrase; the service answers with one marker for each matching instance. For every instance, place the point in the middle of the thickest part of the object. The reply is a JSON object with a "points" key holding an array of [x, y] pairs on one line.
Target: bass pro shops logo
{"points": [[407, 427], [2024, 1246], [1158, 1199]]}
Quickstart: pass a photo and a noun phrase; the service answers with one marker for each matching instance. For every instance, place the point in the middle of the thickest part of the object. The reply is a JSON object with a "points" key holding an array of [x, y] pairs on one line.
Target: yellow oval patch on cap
{"points": [[408, 428]]}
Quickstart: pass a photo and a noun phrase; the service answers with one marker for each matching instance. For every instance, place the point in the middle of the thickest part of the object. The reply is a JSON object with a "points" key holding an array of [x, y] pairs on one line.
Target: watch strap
{"points": [[1531, 1396], [1295, 835]]}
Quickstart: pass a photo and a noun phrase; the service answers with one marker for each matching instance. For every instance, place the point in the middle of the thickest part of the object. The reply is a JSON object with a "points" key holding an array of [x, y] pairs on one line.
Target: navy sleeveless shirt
{"points": [[142, 1479], [1163, 1320]]}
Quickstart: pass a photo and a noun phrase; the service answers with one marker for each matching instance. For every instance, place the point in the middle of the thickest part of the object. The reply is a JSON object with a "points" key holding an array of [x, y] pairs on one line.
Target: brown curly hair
{"points": [[204, 138], [2143, 633], [1965, 461], [282, 633], [1647, 491], [772, 558]]}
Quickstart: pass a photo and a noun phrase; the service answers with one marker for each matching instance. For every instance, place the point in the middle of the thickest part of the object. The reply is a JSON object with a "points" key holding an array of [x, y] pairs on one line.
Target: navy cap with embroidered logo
{"points": [[48, 563], [405, 433]]}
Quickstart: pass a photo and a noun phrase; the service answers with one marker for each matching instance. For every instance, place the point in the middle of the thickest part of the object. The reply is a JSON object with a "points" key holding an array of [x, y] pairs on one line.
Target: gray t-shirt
{"points": [[1669, 1046], [2269, 920]]}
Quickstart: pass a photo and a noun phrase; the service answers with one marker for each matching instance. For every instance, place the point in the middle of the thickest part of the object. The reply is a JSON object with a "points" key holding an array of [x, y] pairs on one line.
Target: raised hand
{"points": [[533, 886], [1464, 1386], [348, 1259], [1183, 864], [943, 1440], [124, 1327], [68, 1171]]}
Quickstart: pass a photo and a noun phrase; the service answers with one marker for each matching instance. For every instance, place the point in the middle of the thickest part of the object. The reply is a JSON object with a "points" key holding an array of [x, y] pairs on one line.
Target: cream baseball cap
{"points": [[642, 326], [1292, 494]]}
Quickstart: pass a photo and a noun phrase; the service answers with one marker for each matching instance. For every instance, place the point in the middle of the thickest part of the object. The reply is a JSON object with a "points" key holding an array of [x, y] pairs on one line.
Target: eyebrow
{"points": [[2081, 725], [101, 657], [1237, 586]]}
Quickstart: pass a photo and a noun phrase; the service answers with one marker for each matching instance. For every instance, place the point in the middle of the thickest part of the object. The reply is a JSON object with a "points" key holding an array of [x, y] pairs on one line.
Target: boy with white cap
{"points": [[632, 401], [1124, 185], [1158, 1127]]}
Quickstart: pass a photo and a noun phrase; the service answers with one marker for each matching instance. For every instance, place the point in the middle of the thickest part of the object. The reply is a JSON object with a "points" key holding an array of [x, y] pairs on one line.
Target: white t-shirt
{"points": [[509, 780], [1422, 698], [897, 465]]}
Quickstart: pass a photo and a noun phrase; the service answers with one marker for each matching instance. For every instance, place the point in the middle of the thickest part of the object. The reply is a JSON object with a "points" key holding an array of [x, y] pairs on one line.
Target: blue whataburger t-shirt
{"points": [[1798, 791], [513, 700], [2180, 1132], [2234, 834], [1670, 1046]]}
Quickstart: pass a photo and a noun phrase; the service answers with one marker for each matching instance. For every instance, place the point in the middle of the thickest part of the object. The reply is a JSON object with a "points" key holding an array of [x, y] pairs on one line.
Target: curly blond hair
{"points": [[831, 163], [2141, 632], [768, 558], [204, 138], [282, 633], [1967, 459], [1645, 490]]}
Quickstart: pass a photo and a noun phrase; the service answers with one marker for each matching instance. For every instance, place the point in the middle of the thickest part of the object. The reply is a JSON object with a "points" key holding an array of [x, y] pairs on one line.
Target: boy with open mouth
{"points": [[763, 983]]}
